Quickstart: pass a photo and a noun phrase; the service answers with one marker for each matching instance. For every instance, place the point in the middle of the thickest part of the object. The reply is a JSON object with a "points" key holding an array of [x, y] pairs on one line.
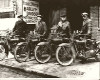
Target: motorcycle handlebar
{"points": [[58, 34], [83, 35]]}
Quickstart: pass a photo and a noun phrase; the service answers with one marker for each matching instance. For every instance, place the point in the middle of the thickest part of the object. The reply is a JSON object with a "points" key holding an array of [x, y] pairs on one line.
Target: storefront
{"points": [[52, 9]]}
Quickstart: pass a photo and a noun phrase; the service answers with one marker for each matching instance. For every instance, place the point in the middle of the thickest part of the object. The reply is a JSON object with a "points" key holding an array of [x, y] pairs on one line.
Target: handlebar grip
{"points": [[17, 35]]}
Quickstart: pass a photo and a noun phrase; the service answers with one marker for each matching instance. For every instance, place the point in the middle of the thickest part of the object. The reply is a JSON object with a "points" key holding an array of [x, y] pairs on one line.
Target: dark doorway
{"points": [[51, 13], [74, 16]]}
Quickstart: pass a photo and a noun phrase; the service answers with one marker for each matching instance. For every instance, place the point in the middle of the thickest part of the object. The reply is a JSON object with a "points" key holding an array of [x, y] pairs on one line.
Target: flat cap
{"points": [[39, 16], [84, 13]]}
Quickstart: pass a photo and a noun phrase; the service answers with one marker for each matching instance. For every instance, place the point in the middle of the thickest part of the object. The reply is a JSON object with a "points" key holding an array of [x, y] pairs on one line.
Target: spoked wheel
{"points": [[97, 57], [65, 55], [42, 54], [2, 52], [21, 53]]}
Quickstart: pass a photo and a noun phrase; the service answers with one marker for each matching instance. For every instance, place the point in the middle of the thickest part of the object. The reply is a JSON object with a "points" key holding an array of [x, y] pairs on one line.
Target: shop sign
{"points": [[30, 11]]}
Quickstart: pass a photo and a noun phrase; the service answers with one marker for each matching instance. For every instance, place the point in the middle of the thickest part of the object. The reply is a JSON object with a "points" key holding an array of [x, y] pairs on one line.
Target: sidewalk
{"points": [[76, 71]]}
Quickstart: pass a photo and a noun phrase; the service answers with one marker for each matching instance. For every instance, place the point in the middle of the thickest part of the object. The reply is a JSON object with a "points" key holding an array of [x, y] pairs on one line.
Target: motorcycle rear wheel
{"points": [[21, 53], [65, 55], [3, 54], [42, 54]]}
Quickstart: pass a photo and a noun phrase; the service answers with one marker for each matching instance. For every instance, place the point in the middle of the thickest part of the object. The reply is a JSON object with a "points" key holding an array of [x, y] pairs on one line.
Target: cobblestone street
{"points": [[88, 70]]}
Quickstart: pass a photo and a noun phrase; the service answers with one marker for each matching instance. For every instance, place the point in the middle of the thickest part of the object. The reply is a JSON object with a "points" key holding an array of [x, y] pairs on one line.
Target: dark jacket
{"points": [[64, 28], [87, 27], [20, 28], [41, 28]]}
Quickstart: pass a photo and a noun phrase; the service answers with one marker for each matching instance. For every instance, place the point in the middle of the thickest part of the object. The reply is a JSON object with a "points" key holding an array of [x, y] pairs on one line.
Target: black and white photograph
{"points": [[50, 39]]}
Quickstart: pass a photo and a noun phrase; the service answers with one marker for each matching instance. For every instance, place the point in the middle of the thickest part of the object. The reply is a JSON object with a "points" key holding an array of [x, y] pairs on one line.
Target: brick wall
{"points": [[94, 16]]}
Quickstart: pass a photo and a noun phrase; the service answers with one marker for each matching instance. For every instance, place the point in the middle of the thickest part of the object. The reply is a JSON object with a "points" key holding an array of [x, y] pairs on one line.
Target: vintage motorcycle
{"points": [[25, 50], [2, 48], [9, 43], [44, 51], [83, 47]]}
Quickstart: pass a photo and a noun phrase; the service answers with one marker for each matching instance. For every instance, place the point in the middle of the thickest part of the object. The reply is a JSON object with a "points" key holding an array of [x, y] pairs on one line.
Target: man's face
{"points": [[63, 18], [39, 18], [85, 17]]}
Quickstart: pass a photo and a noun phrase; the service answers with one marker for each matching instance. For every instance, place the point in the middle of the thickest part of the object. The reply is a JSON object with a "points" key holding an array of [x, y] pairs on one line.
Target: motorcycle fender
{"points": [[21, 43], [64, 44], [42, 43]]}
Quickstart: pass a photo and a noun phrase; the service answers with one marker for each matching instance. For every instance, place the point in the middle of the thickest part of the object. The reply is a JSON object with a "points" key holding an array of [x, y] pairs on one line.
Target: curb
{"points": [[30, 72]]}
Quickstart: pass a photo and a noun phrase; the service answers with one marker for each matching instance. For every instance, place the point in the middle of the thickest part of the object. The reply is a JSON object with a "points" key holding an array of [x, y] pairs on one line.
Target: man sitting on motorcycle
{"points": [[20, 27], [62, 29], [87, 25], [64, 26], [86, 30], [40, 29]]}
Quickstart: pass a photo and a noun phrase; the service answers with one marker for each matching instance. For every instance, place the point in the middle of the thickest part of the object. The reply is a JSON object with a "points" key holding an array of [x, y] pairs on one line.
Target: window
{"points": [[7, 14], [6, 10], [5, 3]]}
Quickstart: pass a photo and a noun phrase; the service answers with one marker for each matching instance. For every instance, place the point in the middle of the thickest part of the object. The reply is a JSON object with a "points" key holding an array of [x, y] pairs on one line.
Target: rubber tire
{"points": [[72, 59], [97, 57], [4, 53], [16, 51], [36, 57]]}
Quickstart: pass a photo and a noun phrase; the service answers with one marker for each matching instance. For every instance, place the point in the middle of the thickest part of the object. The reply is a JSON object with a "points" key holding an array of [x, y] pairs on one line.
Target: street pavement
{"points": [[6, 72], [78, 71]]}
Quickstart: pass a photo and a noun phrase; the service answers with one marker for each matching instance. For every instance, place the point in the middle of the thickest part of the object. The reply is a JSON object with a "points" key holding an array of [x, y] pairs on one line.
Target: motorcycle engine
{"points": [[90, 49], [90, 53]]}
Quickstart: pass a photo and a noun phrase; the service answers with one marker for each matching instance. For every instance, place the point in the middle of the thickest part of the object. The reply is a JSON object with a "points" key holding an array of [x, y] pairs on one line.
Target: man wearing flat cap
{"points": [[87, 24], [64, 26], [20, 27], [40, 27]]}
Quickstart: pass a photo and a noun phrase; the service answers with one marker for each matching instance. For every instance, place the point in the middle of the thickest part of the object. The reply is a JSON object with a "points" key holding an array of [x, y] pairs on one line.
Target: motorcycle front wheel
{"points": [[42, 54], [65, 55], [3, 54], [21, 53]]}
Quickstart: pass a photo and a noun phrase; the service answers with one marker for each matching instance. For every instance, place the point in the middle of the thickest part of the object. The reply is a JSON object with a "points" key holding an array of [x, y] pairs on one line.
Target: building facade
{"points": [[52, 9]]}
